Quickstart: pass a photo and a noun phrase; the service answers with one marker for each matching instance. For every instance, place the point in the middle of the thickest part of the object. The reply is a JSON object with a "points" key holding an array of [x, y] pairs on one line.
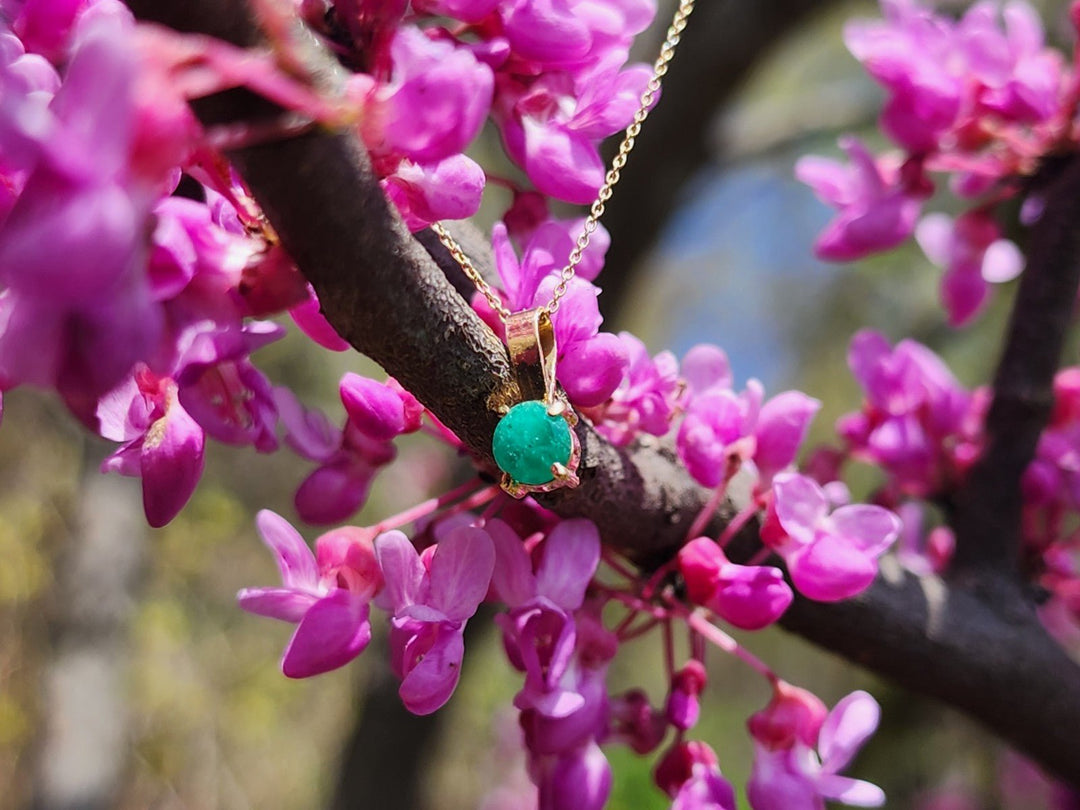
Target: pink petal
{"points": [[963, 294], [830, 179], [333, 632], [570, 556], [850, 724], [333, 492], [934, 233], [401, 568], [309, 318], [562, 163], [1002, 262], [781, 429], [800, 505], [172, 463], [287, 604], [830, 569], [512, 577], [751, 597], [432, 681], [374, 409], [870, 528], [706, 366], [461, 572], [591, 370], [308, 432], [854, 792], [294, 558]]}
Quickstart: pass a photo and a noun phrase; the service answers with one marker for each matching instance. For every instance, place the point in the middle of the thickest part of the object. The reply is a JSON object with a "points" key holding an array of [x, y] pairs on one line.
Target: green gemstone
{"points": [[528, 440]]}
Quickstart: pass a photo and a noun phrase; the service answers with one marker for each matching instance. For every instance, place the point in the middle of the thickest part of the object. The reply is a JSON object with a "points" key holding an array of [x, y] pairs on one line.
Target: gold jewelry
{"points": [[534, 444]]}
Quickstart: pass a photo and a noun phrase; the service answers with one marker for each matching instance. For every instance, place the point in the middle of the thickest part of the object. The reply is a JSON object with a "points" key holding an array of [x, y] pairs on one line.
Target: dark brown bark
{"points": [[981, 649]]}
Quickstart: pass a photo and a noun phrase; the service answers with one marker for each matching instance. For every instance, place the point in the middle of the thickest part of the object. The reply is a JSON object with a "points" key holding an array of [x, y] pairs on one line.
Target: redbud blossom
{"points": [[326, 594]]}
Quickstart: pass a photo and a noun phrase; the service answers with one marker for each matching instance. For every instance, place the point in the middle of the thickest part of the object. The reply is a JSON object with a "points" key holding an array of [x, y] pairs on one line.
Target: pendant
{"points": [[534, 443]]}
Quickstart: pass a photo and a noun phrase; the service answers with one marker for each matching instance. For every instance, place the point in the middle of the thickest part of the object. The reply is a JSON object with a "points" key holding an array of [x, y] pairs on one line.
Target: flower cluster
{"points": [[981, 99]]}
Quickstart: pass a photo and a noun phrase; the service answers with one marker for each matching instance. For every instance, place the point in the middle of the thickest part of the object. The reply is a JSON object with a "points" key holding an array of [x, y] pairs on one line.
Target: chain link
{"points": [[596, 210]]}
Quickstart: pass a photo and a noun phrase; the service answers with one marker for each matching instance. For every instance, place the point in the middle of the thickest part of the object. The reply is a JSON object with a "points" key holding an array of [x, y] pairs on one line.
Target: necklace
{"points": [[534, 443]]}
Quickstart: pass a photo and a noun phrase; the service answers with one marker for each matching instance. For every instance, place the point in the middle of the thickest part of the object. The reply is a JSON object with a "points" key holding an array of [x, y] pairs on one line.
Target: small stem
{"points": [[702, 519], [669, 649], [477, 499], [737, 523], [710, 632], [760, 556], [427, 507], [642, 629], [616, 565]]}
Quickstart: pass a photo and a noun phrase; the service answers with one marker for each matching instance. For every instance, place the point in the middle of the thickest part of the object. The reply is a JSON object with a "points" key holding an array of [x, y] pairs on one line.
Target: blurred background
{"points": [[130, 679]]}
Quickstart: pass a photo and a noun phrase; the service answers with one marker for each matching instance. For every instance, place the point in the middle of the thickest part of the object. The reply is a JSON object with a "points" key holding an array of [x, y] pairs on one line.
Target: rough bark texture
{"points": [[979, 647]]}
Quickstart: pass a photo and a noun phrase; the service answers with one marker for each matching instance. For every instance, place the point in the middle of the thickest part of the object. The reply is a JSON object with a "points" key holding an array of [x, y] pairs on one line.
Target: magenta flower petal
{"points": [[293, 557], [751, 597], [800, 505], [781, 429], [172, 463], [401, 568], [309, 318], [851, 723], [776, 783], [374, 409], [431, 682], [334, 631], [308, 432], [334, 491], [562, 163], [591, 370], [512, 576], [461, 572], [870, 528], [854, 792], [580, 780], [570, 557], [706, 366], [829, 570], [287, 604]]}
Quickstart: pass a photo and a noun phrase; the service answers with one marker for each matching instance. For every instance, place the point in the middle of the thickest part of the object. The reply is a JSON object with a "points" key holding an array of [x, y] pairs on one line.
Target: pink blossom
{"points": [[690, 774], [646, 398], [750, 597], [717, 432], [539, 631], [791, 775], [793, 716], [877, 206], [683, 706], [634, 722], [434, 103], [431, 598], [974, 255], [918, 422], [162, 444], [350, 458], [326, 594], [780, 431], [830, 557], [423, 193], [552, 125]]}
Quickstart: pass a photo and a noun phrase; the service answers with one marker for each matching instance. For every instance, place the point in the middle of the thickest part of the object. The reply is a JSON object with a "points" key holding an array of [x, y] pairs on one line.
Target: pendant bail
{"points": [[530, 339]]}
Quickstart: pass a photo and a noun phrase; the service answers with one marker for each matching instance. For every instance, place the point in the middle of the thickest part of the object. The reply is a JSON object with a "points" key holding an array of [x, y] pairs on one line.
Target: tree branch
{"points": [[987, 507], [384, 293]]}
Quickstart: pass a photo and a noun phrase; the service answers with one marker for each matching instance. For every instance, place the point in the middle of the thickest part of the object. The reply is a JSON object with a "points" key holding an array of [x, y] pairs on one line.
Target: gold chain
{"points": [[596, 210]]}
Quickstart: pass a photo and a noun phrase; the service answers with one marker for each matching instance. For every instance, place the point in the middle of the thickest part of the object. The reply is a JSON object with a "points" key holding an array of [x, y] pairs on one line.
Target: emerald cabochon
{"points": [[528, 440]]}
